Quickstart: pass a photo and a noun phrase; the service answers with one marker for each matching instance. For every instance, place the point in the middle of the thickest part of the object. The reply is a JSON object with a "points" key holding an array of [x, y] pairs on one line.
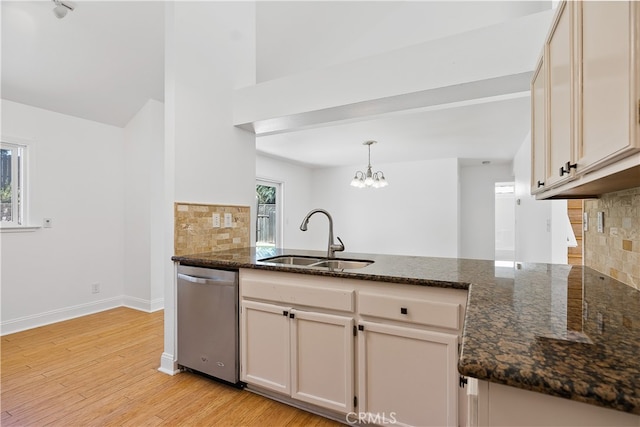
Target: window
{"points": [[12, 184], [268, 219]]}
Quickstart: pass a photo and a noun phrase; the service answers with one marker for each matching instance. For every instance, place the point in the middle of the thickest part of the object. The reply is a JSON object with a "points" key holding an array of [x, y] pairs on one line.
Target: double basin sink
{"points": [[307, 261]]}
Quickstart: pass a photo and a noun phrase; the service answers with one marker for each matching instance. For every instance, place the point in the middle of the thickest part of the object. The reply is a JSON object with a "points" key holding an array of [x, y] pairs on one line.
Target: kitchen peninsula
{"points": [[560, 330]]}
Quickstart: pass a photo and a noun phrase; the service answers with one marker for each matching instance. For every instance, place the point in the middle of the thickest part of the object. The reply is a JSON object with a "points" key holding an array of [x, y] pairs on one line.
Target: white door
{"points": [[407, 376], [265, 346], [322, 360]]}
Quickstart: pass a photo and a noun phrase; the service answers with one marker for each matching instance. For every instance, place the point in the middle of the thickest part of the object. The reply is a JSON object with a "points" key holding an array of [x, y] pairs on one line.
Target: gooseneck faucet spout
{"points": [[332, 248]]}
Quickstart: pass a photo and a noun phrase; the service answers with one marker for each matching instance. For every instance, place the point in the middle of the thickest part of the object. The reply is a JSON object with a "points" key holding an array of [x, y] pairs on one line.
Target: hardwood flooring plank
{"points": [[101, 370]]}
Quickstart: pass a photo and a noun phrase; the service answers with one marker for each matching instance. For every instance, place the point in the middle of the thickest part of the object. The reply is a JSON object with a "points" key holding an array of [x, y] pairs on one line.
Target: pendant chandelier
{"points": [[369, 179]]}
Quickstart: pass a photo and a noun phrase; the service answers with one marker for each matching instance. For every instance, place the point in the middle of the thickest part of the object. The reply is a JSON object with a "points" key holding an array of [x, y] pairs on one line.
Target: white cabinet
{"points": [[299, 340], [408, 355], [306, 355], [589, 77], [560, 56], [538, 129], [322, 360], [407, 376], [501, 405], [265, 343], [608, 81]]}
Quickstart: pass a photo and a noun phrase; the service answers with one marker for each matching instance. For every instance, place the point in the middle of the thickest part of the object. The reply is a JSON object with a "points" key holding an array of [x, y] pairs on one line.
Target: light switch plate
{"points": [[216, 220], [228, 219], [600, 222], [585, 221]]}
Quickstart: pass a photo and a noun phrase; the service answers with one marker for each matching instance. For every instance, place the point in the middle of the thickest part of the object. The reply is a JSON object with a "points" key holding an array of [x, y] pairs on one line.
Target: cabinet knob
{"points": [[567, 168], [403, 310], [540, 184]]}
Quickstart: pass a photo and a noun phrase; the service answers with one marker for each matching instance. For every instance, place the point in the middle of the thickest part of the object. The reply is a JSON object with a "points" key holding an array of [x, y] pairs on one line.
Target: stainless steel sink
{"points": [[301, 260], [342, 264], [292, 260]]}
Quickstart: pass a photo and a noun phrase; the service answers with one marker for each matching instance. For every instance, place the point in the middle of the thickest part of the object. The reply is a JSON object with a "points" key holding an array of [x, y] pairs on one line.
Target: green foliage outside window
{"points": [[266, 195], [5, 194]]}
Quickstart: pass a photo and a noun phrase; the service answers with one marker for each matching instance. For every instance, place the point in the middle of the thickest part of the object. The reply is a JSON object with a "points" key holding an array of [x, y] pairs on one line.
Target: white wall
{"points": [[214, 53], [76, 178], [477, 208], [143, 198], [209, 51], [417, 214], [537, 240], [360, 29], [296, 195]]}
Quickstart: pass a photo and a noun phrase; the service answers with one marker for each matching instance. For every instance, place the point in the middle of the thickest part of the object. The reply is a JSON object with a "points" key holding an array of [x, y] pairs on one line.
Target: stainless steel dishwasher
{"points": [[208, 322]]}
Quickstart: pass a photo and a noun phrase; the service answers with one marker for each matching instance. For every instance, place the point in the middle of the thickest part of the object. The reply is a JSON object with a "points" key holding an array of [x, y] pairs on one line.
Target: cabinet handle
{"points": [[292, 316], [403, 310], [285, 313], [540, 184], [567, 168]]}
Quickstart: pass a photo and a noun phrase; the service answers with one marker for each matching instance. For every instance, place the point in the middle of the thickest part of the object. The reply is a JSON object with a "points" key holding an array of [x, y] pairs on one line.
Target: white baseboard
{"points": [[143, 304], [41, 319], [54, 316], [168, 365]]}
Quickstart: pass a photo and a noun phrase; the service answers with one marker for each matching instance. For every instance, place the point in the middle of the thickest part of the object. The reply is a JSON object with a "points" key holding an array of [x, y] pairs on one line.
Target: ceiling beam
{"points": [[493, 61]]}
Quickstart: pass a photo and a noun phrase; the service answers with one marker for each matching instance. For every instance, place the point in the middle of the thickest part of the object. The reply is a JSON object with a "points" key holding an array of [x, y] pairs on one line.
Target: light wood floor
{"points": [[101, 370]]}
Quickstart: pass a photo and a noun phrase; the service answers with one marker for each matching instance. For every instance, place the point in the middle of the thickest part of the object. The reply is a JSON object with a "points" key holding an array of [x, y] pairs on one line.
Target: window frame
{"points": [[19, 174], [279, 186]]}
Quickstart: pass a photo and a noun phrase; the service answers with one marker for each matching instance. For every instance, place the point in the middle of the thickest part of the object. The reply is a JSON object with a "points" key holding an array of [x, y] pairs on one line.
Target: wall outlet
{"points": [[228, 220], [95, 288], [216, 220]]}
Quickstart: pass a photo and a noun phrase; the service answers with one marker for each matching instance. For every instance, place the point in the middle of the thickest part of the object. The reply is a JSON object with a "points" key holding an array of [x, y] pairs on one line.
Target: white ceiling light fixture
{"points": [[62, 8], [369, 179]]}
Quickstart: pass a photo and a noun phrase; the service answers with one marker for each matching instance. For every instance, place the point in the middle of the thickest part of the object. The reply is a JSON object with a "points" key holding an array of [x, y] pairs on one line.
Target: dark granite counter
{"points": [[562, 330]]}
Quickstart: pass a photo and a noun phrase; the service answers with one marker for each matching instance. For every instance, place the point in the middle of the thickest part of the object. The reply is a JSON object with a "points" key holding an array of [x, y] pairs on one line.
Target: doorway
{"points": [[505, 221], [268, 208]]}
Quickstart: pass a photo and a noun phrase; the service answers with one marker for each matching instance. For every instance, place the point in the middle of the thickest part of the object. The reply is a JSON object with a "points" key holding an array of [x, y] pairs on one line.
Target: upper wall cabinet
{"points": [[590, 70], [560, 97], [608, 122], [538, 129]]}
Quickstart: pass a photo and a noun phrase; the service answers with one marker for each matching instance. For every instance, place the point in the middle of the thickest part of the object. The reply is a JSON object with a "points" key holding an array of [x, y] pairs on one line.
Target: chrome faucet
{"points": [[332, 248]]}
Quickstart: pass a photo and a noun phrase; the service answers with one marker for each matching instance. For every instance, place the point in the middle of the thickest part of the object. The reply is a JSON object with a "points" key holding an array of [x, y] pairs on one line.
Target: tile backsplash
{"points": [[616, 251], [194, 230]]}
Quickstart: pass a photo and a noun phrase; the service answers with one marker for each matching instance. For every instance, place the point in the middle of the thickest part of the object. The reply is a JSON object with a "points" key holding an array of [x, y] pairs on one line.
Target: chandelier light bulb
{"points": [[369, 179]]}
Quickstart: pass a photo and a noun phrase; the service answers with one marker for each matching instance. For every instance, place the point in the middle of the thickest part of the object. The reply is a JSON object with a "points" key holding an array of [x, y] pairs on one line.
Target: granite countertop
{"points": [[562, 330]]}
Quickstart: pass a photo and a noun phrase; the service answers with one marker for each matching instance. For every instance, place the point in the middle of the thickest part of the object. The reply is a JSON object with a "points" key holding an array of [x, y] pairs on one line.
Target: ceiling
{"points": [[101, 62], [104, 60]]}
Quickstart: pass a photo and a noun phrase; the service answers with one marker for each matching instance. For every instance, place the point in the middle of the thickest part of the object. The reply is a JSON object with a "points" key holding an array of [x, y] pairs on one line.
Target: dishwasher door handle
{"points": [[203, 280]]}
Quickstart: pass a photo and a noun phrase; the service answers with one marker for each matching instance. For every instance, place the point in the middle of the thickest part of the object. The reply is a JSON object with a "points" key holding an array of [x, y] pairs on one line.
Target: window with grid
{"points": [[12, 184]]}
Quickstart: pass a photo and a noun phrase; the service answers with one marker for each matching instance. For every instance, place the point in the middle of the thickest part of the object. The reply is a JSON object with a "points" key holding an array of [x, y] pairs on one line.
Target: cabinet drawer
{"points": [[412, 310], [326, 298]]}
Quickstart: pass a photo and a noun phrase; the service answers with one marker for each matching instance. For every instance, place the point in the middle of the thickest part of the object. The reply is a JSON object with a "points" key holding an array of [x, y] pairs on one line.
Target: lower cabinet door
{"points": [[407, 376], [264, 352], [322, 360]]}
